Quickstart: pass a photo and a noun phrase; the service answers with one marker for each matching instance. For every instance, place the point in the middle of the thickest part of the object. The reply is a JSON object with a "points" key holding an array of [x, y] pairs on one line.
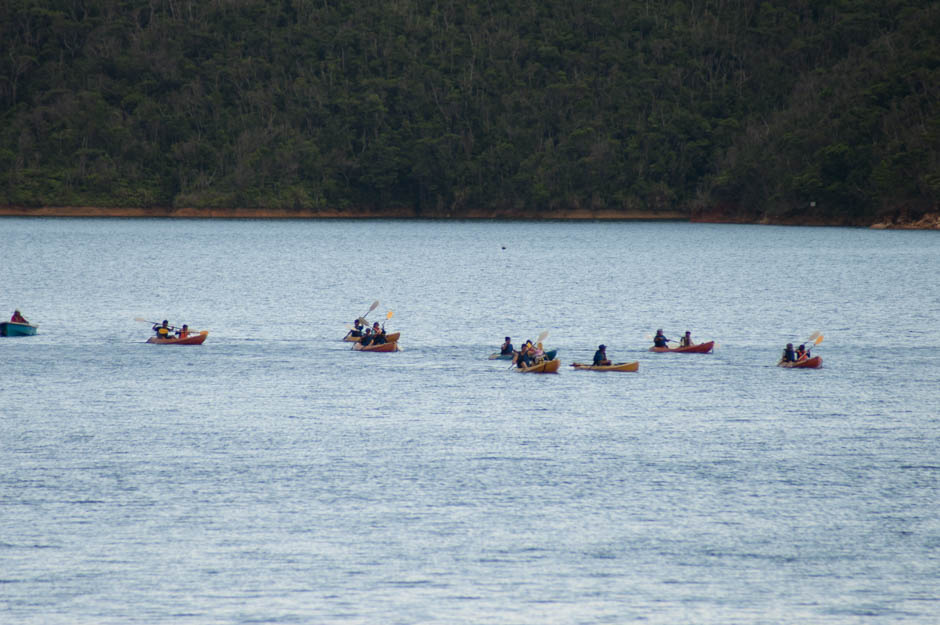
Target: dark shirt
{"points": [[599, 357], [789, 355], [506, 349], [660, 340]]}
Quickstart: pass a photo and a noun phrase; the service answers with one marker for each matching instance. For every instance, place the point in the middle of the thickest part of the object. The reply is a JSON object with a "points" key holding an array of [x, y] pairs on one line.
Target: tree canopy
{"points": [[816, 108]]}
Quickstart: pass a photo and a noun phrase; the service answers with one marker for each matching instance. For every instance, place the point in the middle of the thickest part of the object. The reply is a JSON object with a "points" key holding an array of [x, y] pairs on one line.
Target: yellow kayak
{"points": [[620, 366]]}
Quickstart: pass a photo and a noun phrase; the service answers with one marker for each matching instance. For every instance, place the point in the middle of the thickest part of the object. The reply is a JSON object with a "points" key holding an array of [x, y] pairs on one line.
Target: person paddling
{"points": [[506, 348], [788, 354], [183, 332], [162, 330], [659, 340], [686, 341], [600, 356], [17, 317], [801, 353]]}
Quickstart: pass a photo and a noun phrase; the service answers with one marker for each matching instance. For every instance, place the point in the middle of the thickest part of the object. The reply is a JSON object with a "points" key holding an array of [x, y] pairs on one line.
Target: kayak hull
{"points": [[546, 366], [810, 363], [192, 339], [14, 328], [499, 356], [384, 347], [355, 339], [699, 348], [620, 366]]}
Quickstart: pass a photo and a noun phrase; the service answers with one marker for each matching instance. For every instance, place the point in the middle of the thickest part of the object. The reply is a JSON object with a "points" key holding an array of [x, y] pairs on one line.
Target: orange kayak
{"points": [[391, 338], [192, 339], [620, 366], [384, 347], [699, 348], [810, 363]]}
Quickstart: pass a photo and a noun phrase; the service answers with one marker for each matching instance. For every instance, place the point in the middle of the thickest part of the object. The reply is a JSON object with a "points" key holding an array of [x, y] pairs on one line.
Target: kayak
{"points": [[620, 366], [546, 366], [699, 348], [192, 339], [355, 339], [15, 328], [810, 363], [384, 347]]}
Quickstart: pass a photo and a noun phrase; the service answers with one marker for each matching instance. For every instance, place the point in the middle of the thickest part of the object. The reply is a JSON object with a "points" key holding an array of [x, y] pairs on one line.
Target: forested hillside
{"points": [[817, 110]]}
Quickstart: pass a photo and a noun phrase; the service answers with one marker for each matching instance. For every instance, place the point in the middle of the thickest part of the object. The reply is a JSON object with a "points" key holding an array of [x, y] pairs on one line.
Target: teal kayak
{"points": [[12, 328]]}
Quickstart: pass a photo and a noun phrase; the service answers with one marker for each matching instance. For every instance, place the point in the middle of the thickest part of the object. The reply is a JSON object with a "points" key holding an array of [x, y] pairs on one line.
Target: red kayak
{"points": [[810, 363], [699, 348], [192, 339]]}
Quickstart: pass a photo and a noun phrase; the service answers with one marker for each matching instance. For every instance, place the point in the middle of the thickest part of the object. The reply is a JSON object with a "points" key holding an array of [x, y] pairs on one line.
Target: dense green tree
{"points": [[827, 109]]}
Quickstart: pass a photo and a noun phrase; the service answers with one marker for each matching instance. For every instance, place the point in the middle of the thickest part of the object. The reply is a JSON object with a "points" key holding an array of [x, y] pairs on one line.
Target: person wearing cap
{"points": [[506, 348], [18, 318], [162, 330], [686, 341], [600, 356], [788, 354], [659, 340]]}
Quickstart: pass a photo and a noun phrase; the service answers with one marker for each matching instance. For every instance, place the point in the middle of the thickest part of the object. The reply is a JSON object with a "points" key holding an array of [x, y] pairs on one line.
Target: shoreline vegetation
{"points": [[928, 221], [808, 113]]}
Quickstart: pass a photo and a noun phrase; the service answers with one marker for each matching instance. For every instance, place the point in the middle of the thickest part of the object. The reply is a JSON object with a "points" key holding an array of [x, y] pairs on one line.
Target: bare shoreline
{"points": [[265, 213], [929, 221]]}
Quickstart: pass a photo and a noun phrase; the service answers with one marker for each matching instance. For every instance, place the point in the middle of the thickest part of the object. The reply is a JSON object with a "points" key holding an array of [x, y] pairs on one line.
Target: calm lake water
{"points": [[272, 475]]}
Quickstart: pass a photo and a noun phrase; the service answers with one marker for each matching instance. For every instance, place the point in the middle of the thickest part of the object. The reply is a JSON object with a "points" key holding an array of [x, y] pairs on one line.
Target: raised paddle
{"points": [[374, 305]]}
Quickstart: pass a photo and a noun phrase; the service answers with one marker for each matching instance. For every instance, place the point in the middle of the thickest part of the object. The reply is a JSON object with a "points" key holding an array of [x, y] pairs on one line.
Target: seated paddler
{"points": [[162, 330], [788, 354], [600, 356], [506, 348], [659, 340]]}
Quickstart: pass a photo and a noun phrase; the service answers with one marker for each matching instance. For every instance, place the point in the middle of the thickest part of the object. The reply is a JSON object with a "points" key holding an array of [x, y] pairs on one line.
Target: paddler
{"points": [[162, 330], [659, 340], [183, 332], [506, 348], [600, 356], [17, 317], [788, 354], [686, 341], [801, 353]]}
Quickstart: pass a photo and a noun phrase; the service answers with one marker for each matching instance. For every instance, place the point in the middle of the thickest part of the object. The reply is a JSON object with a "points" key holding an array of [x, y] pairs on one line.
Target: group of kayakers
{"points": [[528, 355], [374, 335], [166, 331], [797, 355]]}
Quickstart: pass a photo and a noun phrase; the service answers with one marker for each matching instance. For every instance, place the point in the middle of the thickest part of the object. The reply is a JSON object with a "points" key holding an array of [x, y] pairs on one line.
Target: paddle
{"points": [[155, 323], [541, 337], [374, 305]]}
